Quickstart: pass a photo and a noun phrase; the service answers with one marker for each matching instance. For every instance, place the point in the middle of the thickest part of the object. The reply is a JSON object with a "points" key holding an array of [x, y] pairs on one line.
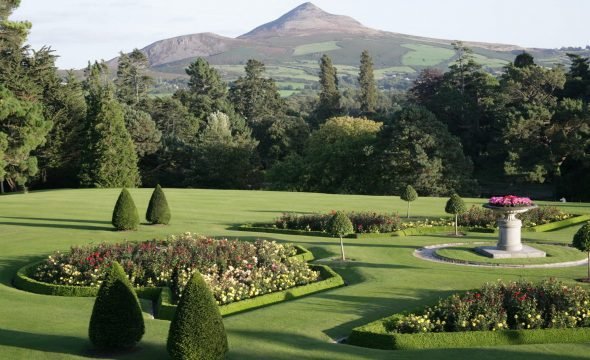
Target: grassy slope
{"points": [[386, 278]]}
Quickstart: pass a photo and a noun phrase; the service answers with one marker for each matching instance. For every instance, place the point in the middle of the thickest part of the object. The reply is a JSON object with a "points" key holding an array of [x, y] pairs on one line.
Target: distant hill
{"points": [[292, 45]]}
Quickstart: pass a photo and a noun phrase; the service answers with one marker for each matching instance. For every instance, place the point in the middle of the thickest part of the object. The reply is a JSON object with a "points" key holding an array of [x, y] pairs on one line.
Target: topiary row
{"points": [[196, 331], [125, 216]]}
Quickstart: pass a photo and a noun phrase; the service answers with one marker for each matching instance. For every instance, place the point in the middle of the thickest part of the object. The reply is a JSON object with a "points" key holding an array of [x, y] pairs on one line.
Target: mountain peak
{"points": [[308, 19]]}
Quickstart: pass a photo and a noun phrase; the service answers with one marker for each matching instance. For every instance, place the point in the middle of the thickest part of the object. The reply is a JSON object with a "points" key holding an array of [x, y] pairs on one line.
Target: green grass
{"points": [[490, 62], [426, 55], [319, 47], [384, 279], [555, 254]]}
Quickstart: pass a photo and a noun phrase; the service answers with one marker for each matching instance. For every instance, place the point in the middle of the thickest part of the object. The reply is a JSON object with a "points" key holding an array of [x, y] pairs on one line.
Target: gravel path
{"points": [[429, 253]]}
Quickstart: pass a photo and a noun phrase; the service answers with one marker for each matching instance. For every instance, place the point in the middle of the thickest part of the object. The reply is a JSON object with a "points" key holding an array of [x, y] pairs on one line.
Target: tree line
{"points": [[460, 130]]}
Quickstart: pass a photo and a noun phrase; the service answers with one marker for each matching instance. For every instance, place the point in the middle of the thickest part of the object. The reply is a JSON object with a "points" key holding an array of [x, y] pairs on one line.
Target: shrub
{"points": [[363, 222], [499, 306], [197, 331], [340, 225], [116, 322], [409, 195], [455, 205], [125, 215], [582, 242], [235, 270], [158, 211]]}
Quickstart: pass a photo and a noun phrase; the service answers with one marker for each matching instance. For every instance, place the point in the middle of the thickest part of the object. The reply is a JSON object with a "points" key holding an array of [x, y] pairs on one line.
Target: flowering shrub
{"points": [[510, 201], [477, 216], [363, 222], [499, 306], [234, 270]]}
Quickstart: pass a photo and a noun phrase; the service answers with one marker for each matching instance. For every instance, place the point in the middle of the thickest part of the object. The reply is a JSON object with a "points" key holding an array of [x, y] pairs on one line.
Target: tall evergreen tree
{"points": [[23, 78], [132, 82], [368, 96], [254, 96], [329, 104], [110, 159]]}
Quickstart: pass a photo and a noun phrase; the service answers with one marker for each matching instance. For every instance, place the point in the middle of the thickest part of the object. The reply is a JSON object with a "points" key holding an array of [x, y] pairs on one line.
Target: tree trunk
{"points": [[2, 186], [408, 211], [588, 265], [456, 225], [342, 248]]}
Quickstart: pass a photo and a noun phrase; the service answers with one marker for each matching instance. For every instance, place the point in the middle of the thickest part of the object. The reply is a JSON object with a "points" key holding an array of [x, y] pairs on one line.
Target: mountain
{"points": [[292, 45], [308, 19]]}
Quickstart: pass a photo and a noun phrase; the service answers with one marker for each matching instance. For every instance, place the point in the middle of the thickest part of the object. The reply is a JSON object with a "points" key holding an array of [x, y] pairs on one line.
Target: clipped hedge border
{"points": [[406, 232], [374, 335], [165, 309], [23, 281], [560, 224], [162, 296]]}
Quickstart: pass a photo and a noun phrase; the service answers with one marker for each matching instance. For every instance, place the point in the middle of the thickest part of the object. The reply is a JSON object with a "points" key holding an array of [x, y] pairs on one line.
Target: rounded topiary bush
{"points": [[197, 331], [158, 211], [125, 216], [116, 322], [455, 206], [582, 242], [409, 195], [340, 225]]}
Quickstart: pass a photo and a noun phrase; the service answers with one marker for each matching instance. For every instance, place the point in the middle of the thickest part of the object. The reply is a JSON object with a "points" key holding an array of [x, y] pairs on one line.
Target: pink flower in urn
{"points": [[510, 201]]}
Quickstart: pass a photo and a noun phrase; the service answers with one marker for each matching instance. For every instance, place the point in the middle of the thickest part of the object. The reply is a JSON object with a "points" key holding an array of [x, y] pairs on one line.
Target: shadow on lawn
{"points": [[63, 344], [9, 267], [297, 346], [56, 220], [58, 226]]}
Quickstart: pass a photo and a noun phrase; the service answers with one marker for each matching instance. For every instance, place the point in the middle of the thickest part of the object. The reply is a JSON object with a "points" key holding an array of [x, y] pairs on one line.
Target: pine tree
{"points": [[132, 82], [455, 205], [340, 225], [329, 104], [409, 195], [110, 159], [197, 331], [117, 321], [125, 215], [158, 211], [367, 83]]}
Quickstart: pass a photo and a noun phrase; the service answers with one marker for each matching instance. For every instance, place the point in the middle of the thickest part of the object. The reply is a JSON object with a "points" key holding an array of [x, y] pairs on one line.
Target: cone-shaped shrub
{"points": [[197, 331], [158, 211], [125, 215], [117, 321]]}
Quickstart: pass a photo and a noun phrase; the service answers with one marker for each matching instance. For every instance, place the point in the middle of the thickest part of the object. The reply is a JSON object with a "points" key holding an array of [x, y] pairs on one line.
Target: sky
{"points": [[86, 30]]}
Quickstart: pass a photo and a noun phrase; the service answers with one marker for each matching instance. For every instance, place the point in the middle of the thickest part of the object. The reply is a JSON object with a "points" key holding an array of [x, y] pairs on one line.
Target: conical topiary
{"points": [[117, 321], [125, 215], [197, 331], [158, 211]]}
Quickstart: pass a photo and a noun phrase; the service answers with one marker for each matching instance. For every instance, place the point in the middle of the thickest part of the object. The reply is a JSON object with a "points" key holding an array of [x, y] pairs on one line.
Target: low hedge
{"points": [[165, 309], [23, 281], [374, 335], [162, 296], [560, 224]]}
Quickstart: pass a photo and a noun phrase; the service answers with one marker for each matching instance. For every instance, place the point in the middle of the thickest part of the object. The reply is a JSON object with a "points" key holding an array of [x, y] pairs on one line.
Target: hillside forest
{"points": [[462, 130]]}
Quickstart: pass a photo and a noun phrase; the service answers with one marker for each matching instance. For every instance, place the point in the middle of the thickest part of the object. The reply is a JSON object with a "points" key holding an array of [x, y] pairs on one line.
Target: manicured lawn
{"points": [[555, 254], [385, 278]]}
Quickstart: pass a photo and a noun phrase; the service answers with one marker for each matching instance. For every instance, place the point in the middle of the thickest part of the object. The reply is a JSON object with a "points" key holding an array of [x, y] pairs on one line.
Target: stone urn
{"points": [[509, 225]]}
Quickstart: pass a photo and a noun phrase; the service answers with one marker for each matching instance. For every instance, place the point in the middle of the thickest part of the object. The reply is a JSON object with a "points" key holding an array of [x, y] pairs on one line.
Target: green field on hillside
{"points": [[426, 55], [383, 279], [320, 47]]}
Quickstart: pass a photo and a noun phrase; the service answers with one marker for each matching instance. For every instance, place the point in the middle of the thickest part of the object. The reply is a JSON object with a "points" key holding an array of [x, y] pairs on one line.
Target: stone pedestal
{"points": [[509, 242]]}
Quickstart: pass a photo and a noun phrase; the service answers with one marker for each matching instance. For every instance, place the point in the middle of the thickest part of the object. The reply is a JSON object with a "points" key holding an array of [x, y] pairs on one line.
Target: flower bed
{"points": [[504, 308], [510, 201], [235, 270], [363, 222]]}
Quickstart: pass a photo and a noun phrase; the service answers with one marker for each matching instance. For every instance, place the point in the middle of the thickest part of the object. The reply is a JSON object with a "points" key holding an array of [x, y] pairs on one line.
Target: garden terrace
{"points": [[384, 279]]}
